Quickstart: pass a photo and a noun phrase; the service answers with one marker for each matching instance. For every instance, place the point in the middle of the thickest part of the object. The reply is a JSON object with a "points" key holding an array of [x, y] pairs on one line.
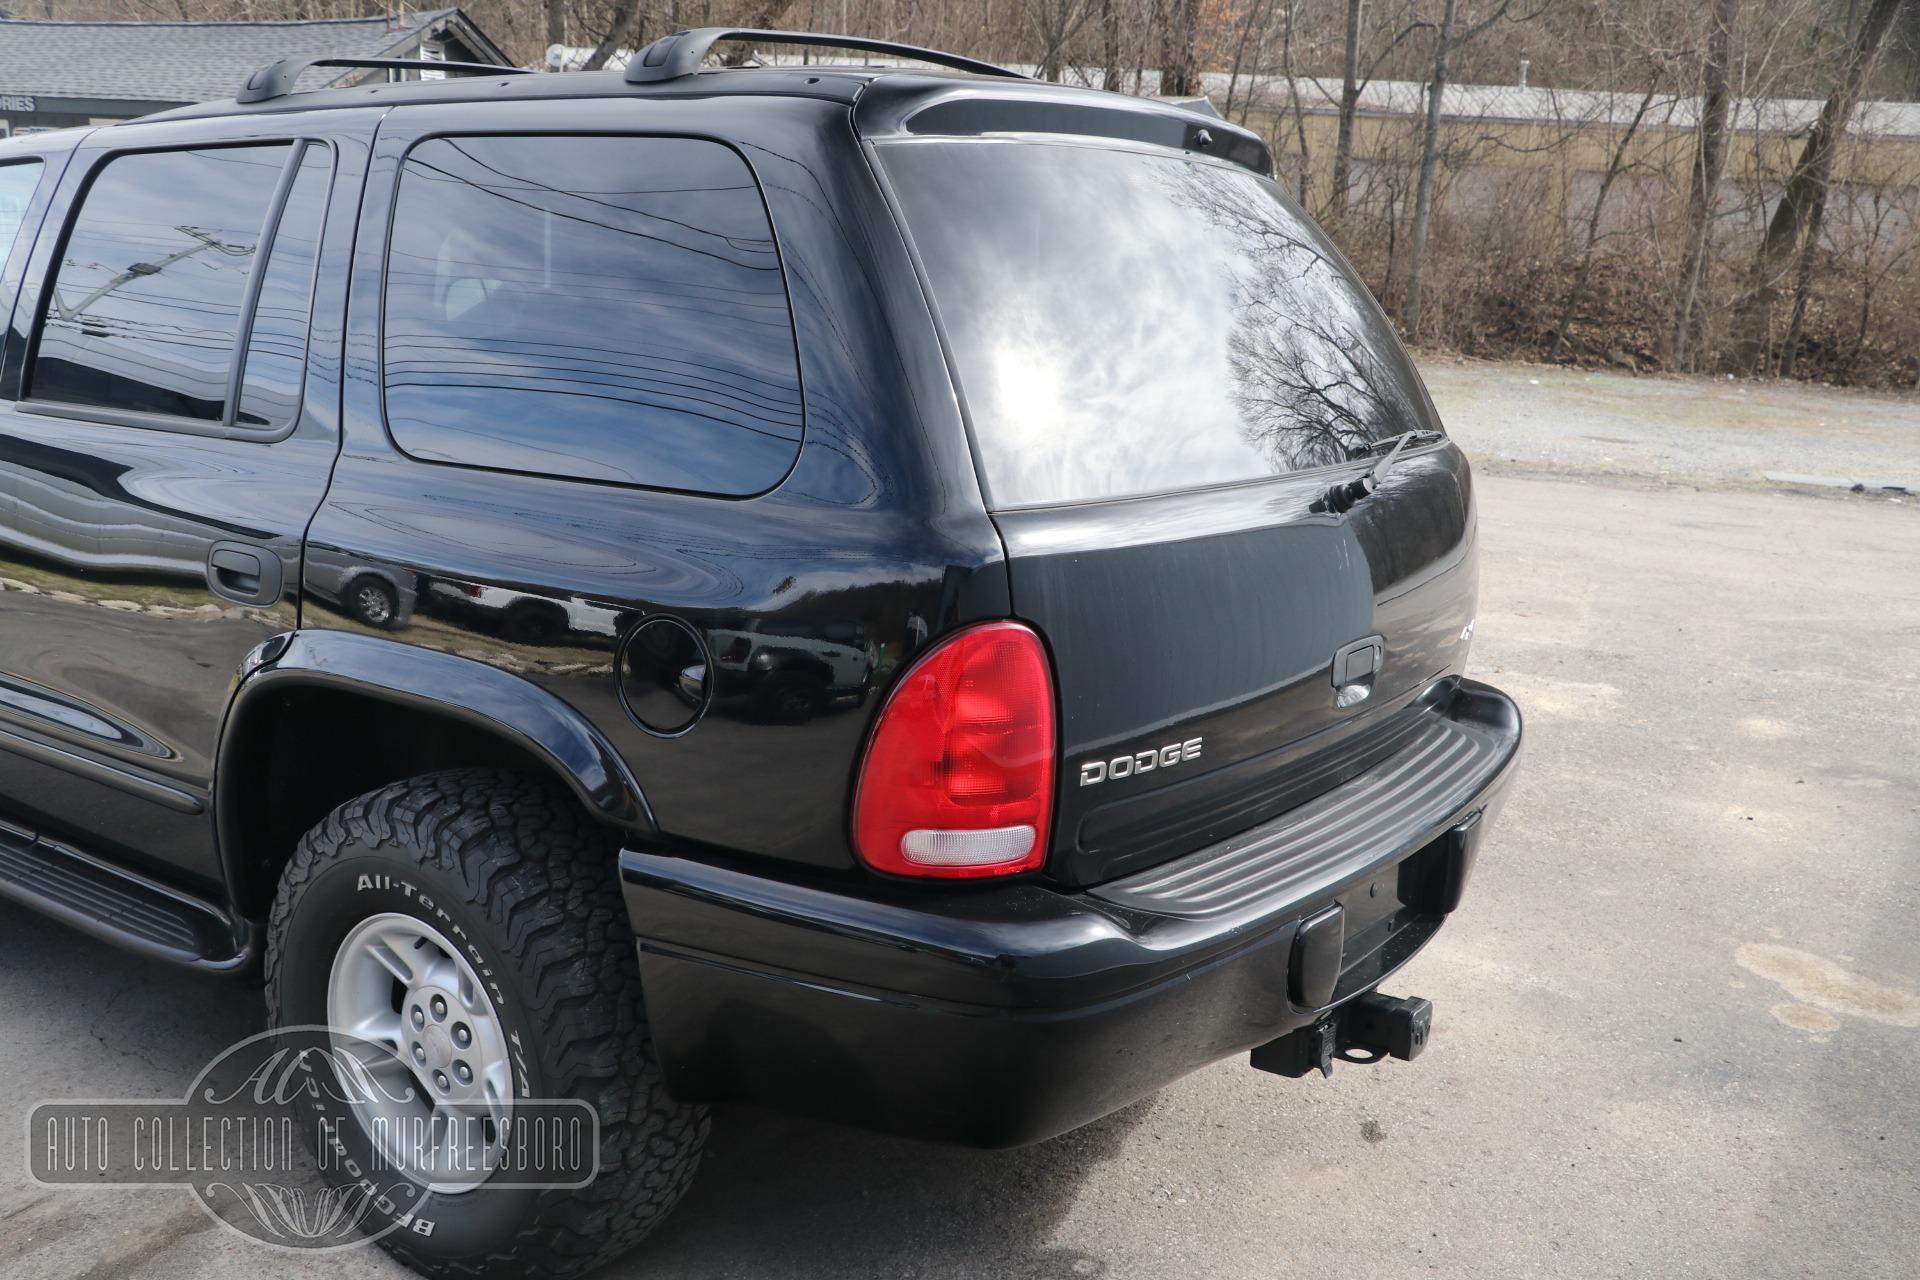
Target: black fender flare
{"points": [[487, 698]]}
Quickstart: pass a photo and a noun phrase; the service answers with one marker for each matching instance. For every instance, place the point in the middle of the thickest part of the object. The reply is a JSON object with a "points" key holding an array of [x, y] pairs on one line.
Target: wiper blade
{"points": [[1422, 435], [1341, 497]]}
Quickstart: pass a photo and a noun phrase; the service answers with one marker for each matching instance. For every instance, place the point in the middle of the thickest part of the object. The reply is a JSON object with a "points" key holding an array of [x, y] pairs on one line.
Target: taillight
{"points": [[958, 778]]}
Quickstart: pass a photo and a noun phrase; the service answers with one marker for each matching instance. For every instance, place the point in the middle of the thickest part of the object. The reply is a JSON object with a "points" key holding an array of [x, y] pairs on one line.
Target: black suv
{"points": [[957, 569]]}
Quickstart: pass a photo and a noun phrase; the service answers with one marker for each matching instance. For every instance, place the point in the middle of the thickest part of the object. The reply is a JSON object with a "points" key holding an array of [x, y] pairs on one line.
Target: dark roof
{"points": [[836, 84], [198, 61], [885, 96]]}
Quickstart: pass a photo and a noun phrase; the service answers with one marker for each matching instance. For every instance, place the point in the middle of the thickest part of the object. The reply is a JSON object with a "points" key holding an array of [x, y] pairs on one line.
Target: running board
{"points": [[120, 907]]}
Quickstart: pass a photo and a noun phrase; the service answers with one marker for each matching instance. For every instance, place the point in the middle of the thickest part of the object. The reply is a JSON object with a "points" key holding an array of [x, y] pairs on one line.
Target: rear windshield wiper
{"points": [[1392, 444], [1342, 496]]}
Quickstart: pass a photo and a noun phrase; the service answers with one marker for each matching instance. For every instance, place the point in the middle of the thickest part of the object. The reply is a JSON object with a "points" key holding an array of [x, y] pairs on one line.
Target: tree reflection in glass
{"points": [[1126, 321]]}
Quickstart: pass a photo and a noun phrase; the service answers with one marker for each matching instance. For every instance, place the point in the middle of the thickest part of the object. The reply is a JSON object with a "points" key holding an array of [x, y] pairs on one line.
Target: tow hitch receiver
{"points": [[1365, 1029]]}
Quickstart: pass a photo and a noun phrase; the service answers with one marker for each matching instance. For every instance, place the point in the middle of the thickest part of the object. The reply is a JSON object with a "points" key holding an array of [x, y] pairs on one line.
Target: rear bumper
{"points": [[1004, 1015]]}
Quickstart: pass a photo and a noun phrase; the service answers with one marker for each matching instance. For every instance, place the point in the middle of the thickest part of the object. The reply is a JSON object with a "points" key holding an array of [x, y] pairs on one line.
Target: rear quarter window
{"points": [[599, 308], [18, 179]]}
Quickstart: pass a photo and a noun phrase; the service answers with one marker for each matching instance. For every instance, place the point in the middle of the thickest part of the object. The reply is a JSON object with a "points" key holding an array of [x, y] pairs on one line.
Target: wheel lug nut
{"points": [[439, 1009], [462, 1034], [419, 1018], [463, 1073], [419, 1053], [440, 1081]]}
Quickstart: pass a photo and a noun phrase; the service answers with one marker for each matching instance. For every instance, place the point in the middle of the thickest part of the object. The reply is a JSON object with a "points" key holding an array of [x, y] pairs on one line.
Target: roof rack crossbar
{"points": [[680, 54], [276, 80]]}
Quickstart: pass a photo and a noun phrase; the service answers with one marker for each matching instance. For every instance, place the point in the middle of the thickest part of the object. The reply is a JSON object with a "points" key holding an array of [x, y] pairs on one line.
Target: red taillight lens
{"points": [[958, 779]]}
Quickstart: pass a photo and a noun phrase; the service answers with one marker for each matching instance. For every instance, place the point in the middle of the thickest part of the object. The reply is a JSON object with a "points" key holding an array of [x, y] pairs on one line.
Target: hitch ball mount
{"points": [[1365, 1029]]}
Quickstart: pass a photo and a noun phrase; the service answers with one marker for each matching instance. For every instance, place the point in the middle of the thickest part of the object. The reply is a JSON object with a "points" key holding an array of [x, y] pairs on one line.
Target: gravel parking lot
{"points": [[1677, 1022], [1544, 419]]}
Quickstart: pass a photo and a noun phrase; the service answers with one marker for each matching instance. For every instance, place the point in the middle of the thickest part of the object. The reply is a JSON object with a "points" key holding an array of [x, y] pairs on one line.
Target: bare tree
{"points": [[1054, 23], [1353, 82], [1180, 53], [1576, 295], [1256, 16], [556, 12], [1446, 40], [619, 27], [1803, 199], [763, 15], [1710, 158], [1429, 163], [1803, 283], [1880, 256], [1109, 46], [1293, 101], [1349, 106]]}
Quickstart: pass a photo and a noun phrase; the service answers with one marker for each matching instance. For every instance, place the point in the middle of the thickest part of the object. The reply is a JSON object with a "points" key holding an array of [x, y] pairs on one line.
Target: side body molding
{"points": [[473, 693]]}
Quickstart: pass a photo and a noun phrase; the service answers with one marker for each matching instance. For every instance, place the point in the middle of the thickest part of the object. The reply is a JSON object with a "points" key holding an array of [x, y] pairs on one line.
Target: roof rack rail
{"points": [[275, 80], [680, 54]]}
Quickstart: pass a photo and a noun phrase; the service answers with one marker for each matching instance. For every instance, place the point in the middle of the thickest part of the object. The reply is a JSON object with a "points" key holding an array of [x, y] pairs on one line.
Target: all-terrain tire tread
{"points": [[522, 854]]}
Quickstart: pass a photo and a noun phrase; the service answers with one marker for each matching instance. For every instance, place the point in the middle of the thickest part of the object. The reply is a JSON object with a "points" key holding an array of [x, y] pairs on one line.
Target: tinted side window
{"points": [[17, 182], [593, 307], [277, 346], [143, 311]]}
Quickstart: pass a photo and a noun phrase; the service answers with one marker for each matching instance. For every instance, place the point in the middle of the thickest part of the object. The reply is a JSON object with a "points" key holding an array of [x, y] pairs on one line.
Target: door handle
{"points": [[244, 574]]}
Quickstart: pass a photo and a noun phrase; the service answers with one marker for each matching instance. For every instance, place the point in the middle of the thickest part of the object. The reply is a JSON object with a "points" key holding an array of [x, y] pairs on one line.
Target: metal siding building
{"points": [[57, 74]]}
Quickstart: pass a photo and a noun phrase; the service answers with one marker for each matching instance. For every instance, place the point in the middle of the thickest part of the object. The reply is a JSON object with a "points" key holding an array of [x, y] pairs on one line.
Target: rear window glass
{"points": [[1126, 323], [603, 308]]}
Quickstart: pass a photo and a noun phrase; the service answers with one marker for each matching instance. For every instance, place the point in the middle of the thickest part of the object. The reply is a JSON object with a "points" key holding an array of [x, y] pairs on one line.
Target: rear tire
{"points": [[512, 868]]}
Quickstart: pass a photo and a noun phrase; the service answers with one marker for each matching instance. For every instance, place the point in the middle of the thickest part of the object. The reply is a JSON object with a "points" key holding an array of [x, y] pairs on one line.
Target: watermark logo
{"points": [[310, 1138]]}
